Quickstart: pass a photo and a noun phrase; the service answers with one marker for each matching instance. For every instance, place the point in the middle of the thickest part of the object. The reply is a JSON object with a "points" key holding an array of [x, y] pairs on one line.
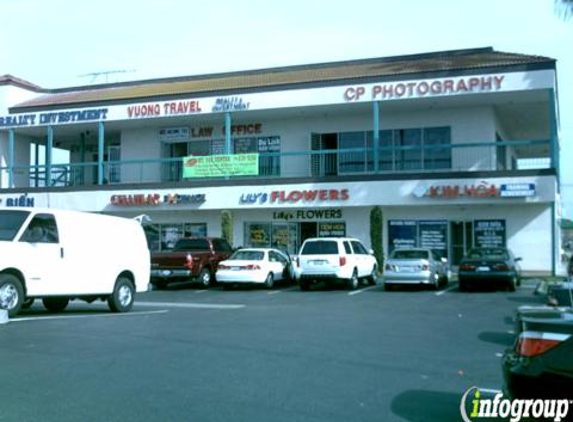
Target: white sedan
{"points": [[259, 266]]}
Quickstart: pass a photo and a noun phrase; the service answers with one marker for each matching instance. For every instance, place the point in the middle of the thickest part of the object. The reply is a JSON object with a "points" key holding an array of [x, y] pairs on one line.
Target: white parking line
{"points": [[201, 291], [449, 289], [355, 292], [274, 292], [41, 318], [191, 305]]}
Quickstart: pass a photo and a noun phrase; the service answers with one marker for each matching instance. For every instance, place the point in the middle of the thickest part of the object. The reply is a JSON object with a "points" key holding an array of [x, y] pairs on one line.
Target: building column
{"points": [[228, 132], [554, 153], [49, 147], [36, 164], [11, 158], [100, 152], [376, 133], [554, 141]]}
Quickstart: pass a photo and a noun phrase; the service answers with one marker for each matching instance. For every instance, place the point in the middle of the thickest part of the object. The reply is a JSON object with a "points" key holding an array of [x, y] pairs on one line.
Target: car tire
{"points": [[270, 281], [11, 294], [511, 284], [373, 277], [123, 296], [205, 278], [56, 304], [159, 285], [388, 287], [304, 285], [354, 281], [463, 286]]}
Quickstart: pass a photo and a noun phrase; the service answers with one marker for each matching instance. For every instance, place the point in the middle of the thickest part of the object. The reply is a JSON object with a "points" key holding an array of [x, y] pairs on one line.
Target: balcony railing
{"points": [[471, 157]]}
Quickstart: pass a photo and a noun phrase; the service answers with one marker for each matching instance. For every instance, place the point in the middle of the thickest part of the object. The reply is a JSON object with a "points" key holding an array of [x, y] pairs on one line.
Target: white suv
{"points": [[342, 259]]}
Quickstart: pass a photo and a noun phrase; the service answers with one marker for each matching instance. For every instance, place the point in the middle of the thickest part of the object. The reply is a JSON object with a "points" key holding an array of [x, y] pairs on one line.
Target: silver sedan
{"points": [[415, 266]]}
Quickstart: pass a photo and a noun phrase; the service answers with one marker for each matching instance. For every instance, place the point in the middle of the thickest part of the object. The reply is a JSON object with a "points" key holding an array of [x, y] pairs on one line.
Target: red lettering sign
{"points": [[310, 195]]}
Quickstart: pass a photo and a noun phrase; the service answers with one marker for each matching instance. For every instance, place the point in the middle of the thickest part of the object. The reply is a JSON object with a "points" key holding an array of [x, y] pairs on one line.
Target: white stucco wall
{"points": [[140, 144]]}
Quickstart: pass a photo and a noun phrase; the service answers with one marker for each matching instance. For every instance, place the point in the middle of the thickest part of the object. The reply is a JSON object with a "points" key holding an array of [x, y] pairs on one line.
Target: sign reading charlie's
{"points": [[221, 165]]}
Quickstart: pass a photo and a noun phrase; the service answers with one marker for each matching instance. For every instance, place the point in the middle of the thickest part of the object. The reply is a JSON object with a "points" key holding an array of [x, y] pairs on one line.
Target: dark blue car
{"points": [[482, 266]]}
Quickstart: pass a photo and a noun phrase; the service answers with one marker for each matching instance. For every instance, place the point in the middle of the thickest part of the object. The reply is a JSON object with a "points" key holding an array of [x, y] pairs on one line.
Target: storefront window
{"points": [[162, 237], [398, 149], [433, 234], [409, 153], [435, 157], [352, 162], [258, 235]]}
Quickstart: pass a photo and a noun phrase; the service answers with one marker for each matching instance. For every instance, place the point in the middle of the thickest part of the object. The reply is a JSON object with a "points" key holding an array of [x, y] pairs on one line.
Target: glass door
{"points": [[461, 240]]}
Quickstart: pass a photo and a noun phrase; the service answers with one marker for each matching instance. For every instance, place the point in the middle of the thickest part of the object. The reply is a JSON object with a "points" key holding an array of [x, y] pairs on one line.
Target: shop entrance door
{"points": [[461, 240], [307, 230]]}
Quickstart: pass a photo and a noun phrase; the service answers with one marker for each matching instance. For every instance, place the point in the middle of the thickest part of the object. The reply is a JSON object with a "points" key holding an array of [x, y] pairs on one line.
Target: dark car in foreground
{"points": [[482, 266], [540, 364]]}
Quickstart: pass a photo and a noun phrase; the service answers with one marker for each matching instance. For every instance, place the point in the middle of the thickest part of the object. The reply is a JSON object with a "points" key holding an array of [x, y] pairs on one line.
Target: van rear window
{"points": [[10, 223], [320, 247]]}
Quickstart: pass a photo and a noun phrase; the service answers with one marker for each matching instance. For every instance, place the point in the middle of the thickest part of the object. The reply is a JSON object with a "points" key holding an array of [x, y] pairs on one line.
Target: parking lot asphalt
{"points": [[187, 354]]}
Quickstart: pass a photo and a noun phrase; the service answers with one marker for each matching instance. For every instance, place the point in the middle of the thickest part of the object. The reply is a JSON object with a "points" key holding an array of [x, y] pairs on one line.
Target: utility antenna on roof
{"points": [[95, 75]]}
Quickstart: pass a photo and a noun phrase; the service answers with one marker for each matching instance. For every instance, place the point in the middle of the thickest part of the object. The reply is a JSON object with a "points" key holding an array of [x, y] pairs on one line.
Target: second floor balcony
{"points": [[467, 157]]}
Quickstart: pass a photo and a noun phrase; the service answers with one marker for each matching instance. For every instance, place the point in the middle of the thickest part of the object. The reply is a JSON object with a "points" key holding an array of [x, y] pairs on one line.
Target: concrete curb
{"points": [[4, 316]]}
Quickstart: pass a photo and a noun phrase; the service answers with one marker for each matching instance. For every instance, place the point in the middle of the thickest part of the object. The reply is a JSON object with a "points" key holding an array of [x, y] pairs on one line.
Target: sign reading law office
{"points": [[221, 165]]}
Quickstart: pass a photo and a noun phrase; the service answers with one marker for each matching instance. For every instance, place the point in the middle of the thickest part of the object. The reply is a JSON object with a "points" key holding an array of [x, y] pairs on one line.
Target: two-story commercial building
{"points": [[458, 148]]}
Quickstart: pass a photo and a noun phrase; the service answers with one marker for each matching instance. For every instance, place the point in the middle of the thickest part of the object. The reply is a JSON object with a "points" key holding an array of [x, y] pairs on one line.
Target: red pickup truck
{"points": [[193, 259]]}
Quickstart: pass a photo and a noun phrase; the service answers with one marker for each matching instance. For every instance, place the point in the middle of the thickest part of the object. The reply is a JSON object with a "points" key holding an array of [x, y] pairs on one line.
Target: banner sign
{"points": [[332, 229], [402, 234], [489, 233], [433, 235], [221, 165]]}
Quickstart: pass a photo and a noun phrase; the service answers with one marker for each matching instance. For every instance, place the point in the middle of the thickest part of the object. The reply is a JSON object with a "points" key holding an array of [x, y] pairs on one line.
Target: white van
{"points": [[59, 255]]}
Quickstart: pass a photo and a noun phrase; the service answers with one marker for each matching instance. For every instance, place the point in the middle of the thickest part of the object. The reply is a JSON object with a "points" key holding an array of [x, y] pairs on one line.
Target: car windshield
{"points": [[409, 254], [320, 247], [10, 223], [488, 253], [248, 256]]}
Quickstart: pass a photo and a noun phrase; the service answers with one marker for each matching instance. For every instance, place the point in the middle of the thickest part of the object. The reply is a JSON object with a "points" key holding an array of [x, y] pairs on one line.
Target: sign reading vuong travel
{"points": [[221, 165]]}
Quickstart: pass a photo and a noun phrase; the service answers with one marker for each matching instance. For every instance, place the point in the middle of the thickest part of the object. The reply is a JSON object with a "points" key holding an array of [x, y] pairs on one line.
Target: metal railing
{"points": [[469, 157]]}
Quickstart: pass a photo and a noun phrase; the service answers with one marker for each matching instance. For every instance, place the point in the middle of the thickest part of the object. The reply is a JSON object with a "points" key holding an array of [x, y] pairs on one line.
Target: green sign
{"points": [[221, 165]]}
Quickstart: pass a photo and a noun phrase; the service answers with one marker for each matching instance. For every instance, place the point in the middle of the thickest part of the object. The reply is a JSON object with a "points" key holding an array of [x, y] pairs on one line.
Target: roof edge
{"points": [[21, 83]]}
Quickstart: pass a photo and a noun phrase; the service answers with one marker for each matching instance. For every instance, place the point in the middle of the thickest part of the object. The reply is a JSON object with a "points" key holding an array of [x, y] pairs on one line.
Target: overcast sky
{"points": [[53, 43]]}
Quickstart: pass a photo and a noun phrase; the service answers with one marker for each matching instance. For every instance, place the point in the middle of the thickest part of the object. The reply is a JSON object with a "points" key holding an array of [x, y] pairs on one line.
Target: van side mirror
{"points": [[518, 259], [444, 259], [371, 251]]}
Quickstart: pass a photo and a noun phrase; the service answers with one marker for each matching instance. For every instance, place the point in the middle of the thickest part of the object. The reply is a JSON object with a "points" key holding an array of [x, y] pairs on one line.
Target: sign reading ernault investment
{"points": [[221, 165]]}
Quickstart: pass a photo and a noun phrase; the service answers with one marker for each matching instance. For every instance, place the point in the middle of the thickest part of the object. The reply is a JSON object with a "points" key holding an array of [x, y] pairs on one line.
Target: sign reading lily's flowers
{"points": [[221, 165]]}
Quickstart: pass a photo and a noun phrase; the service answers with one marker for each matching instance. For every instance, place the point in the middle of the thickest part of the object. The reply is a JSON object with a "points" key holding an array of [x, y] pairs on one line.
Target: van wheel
{"points": [[55, 304], [11, 294], [205, 277], [354, 281], [304, 285], [123, 296]]}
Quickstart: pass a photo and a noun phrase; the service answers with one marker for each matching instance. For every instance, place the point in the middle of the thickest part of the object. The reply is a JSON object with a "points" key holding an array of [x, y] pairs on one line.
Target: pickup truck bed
{"points": [[193, 259]]}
